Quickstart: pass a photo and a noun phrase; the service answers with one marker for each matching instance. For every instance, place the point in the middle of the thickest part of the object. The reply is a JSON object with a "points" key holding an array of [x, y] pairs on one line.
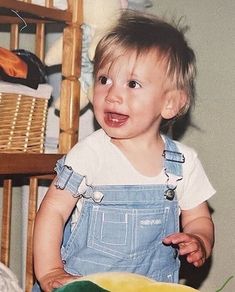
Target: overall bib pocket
{"points": [[123, 232]]}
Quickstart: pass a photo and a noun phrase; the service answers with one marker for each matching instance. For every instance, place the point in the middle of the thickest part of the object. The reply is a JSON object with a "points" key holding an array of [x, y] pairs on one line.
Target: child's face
{"points": [[129, 96]]}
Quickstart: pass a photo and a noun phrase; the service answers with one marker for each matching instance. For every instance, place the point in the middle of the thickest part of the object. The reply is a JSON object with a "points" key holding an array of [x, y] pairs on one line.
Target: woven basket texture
{"points": [[22, 123]]}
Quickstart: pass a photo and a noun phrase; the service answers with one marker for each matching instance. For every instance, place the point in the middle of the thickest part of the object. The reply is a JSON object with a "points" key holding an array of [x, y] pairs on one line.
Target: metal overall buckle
{"points": [[172, 156]]}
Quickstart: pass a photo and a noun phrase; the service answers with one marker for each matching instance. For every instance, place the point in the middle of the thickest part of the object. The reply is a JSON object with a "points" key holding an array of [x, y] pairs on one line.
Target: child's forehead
{"points": [[130, 58]]}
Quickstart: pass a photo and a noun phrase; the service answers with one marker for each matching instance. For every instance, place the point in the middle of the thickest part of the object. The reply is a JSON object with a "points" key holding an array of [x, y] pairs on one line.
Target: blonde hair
{"points": [[141, 33]]}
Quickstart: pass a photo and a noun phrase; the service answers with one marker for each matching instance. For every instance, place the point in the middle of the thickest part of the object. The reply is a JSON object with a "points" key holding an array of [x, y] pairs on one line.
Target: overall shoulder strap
{"points": [[173, 158]]}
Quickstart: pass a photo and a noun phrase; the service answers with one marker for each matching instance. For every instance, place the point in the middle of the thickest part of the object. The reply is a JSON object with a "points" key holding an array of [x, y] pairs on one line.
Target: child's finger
{"points": [[198, 263], [186, 248], [177, 238]]}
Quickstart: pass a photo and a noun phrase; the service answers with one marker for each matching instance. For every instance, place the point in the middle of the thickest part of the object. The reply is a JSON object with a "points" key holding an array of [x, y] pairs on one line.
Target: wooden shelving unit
{"points": [[35, 166]]}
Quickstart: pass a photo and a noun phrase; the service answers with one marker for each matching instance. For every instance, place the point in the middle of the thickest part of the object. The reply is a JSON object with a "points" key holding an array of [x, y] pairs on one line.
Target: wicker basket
{"points": [[22, 123]]}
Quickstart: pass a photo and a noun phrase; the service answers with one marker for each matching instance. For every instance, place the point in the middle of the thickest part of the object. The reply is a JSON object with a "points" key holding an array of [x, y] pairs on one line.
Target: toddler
{"points": [[118, 195]]}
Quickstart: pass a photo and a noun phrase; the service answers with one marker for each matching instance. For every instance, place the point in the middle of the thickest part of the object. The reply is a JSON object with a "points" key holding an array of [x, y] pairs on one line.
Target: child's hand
{"points": [[55, 279], [190, 245]]}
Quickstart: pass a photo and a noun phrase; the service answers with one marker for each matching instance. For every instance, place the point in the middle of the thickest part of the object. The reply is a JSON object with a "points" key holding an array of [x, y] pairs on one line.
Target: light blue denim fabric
{"points": [[36, 288], [124, 231]]}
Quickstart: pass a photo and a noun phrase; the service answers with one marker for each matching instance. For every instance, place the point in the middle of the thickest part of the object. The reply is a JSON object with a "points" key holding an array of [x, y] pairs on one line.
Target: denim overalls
{"points": [[121, 227]]}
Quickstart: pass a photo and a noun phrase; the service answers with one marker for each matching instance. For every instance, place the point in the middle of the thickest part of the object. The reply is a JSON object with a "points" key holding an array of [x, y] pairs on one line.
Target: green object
{"points": [[81, 286], [226, 282]]}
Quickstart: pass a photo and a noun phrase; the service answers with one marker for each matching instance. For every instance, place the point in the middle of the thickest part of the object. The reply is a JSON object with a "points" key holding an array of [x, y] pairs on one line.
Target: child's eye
{"points": [[134, 84], [104, 80]]}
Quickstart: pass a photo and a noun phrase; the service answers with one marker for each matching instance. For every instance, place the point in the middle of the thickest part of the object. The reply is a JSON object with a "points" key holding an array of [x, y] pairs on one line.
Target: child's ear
{"points": [[175, 100]]}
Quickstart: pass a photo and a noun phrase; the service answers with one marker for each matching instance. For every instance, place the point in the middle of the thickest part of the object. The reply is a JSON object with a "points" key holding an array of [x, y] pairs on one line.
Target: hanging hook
{"points": [[21, 18]]}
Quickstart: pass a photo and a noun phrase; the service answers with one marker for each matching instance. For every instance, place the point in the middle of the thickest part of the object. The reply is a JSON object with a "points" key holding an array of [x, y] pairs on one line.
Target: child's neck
{"points": [[145, 156]]}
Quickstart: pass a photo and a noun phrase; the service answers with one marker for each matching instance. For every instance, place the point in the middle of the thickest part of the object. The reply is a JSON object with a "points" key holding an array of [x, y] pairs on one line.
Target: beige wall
{"points": [[211, 34]]}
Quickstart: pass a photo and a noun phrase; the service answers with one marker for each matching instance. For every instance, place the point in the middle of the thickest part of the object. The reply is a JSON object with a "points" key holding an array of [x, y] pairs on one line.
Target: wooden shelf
{"points": [[32, 11], [27, 163], [34, 169]]}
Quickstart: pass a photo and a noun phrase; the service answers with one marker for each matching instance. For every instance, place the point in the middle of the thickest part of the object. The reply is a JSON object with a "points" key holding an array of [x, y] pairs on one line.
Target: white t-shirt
{"points": [[102, 163]]}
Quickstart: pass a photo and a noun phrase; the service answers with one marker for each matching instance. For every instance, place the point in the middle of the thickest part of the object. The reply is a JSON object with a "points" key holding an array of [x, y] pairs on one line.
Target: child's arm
{"points": [[197, 239], [52, 215]]}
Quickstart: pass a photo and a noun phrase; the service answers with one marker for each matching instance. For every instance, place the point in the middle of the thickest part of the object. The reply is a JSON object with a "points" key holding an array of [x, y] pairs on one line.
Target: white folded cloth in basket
{"points": [[43, 90]]}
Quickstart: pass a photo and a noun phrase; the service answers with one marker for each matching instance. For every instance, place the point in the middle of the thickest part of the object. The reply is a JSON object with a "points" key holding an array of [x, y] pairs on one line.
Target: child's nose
{"points": [[114, 94]]}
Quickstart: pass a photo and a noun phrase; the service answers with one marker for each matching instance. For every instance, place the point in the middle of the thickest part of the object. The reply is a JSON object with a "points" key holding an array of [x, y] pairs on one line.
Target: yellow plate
{"points": [[128, 282]]}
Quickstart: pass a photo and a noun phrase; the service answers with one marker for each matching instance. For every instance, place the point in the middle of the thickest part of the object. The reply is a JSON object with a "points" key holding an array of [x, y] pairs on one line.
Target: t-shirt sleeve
{"points": [[84, 159], [75, 171], [196, 185]]}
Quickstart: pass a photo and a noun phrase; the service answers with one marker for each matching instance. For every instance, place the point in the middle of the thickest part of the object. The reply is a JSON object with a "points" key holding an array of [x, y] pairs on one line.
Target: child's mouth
{"points": [[115, 119]]}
